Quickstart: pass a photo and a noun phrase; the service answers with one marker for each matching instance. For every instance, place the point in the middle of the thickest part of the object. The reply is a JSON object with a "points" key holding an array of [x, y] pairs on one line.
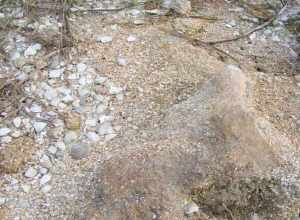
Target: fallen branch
{"points": [[197, 42], [258, 28]]}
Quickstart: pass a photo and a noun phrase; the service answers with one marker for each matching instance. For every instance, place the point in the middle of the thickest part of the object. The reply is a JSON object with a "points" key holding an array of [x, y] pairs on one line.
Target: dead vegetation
{"points": [[11, 97], [229, 197]]}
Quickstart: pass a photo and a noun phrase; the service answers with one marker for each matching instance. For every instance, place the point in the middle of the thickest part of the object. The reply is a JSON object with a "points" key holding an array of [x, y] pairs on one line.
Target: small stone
{"points": [[104, 118], [2, 201], [297, 78], [68, 99], [93, 136], [39, 126], [73, 76], [6, 139], [100, 80], [51, 95], [139, 22], [131, 38], [26, 188], [70, 137], [16, 134], [91, 122], [121, 61], [4, 131], [104, 39], [52, 150], [60, 145], [105, 128], [79, 151], [135, 12], [45, 161], [113, 89], [57, 73], [43, 170], [45, 179], [17, 122], [101, 108], [191, 208], [254, 217], [72, 121], [35, 108], [120, 97], [46, 189], [32, 50], [30, 172], [110, 137], [81, 67]]}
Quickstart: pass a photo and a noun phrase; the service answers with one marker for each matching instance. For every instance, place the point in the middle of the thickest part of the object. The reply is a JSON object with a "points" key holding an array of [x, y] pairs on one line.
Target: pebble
{"points": [[30, 172], [36, 108], [73, 76], [93, 136], [46, 189], [61, 145], [191, 208], [50, 94], [57, 73], [17, 122], [121, 61], [70, 137], [4, 131], [105, 128], [39, 126], [135, 12], [2, 201], [26, 188], [16, 134], [110, 137], [81, 67], [91, 122], [32, 50], [101, 108], [104, 118], [45, 179], [72, 121], [79, 151], [139, 22], [6, 139], [297, 78], [112, 89], [100, 80], [104, 39], [52, 150], [43, 170], [131, 38], [45, 161]]}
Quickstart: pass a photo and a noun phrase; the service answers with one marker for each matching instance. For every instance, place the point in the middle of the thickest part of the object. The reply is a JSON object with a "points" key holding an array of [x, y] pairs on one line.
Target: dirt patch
{"points": [[16, 154]]}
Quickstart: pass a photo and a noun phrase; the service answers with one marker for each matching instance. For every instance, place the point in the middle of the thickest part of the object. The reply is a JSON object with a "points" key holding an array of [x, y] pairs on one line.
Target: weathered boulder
{"points": [[213, 133]]}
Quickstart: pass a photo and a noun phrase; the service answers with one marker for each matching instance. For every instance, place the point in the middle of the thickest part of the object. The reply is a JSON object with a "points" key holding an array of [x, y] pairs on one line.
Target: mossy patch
{"points": [[231, 198]]}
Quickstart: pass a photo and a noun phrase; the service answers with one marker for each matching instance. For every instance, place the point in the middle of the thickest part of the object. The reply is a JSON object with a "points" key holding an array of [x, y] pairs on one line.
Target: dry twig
{"points": [[258, 28]]}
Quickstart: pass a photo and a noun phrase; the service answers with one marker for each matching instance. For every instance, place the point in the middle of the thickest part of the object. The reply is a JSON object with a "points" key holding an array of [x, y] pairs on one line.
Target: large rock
{"points": [[213, 133]]}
